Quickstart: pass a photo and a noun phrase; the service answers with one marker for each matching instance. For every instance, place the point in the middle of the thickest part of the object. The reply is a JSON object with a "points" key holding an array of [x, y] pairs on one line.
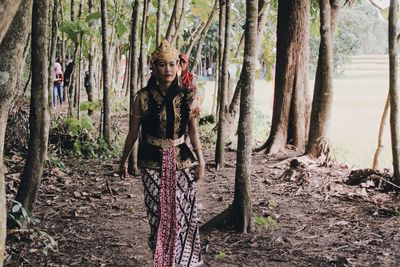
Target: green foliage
{"points": [[91, 105], [54, 161], [80, 138], [208, 134], [265, 223], [21, 216], [220, 256]]}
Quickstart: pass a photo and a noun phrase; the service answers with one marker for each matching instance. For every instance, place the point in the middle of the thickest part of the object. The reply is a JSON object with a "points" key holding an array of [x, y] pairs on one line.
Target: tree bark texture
{"points": [[143, 54], [8, 9], [171, 30], [203, 37], [323, 88], [89, 89], [134, 85], [221, 133], [159, 21], [394, 89], [242, 198], [382, 127], [290, 108], [106, 81], [39, 118], [11, 53], [264, 8]]}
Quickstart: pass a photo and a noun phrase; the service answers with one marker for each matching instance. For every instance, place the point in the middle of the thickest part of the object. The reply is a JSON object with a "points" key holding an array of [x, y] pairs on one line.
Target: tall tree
{"points": [[106, 81], [291, 102], [323, 87], [53, 46], [242, 198], [143, 54], [134, 85], [39, 119], [11, 53], [89, 89], [8, 8], [394, 89], [172, 26], [224, 80], [238, 214], [159, 21]]}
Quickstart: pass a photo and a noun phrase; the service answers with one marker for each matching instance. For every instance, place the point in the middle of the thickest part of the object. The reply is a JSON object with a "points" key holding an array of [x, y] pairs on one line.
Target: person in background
{"points": [[188, 80], [163, 112], [58, 83]]}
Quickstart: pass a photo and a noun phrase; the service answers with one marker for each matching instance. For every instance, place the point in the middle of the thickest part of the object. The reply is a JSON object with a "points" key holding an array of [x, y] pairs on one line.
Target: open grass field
{"points": [[359, 98]]}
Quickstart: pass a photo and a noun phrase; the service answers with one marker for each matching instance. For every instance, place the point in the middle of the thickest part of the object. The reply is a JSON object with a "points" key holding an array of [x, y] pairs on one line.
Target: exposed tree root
{"points": [[373, 178], [322, 153]]}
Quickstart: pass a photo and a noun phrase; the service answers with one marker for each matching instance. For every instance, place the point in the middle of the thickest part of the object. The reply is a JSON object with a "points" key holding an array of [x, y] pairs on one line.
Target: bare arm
{"points": [[197, 148], [132, 136]]}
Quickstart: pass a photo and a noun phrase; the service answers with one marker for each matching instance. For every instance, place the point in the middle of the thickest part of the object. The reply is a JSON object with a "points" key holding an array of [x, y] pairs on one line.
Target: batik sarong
{"points": [[187, 242]]}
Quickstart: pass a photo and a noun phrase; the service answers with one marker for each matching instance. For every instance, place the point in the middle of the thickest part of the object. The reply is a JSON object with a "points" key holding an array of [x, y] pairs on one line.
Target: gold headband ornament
{"points": [[165, 52]]}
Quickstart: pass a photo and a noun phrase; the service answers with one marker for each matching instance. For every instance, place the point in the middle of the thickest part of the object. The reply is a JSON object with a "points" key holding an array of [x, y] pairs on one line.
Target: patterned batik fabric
{"points": [[187, 245]]}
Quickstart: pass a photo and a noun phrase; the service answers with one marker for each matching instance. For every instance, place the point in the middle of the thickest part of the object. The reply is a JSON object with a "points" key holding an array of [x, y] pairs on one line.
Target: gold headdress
{"points": [[165, 51]]}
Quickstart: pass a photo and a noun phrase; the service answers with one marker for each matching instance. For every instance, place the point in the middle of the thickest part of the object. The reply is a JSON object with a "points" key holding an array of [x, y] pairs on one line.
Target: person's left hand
{"points": [[199, 171]]}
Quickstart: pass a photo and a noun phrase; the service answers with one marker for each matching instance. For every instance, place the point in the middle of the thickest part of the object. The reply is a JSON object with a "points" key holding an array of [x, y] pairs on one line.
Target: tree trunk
{"points": [[73, 10], [178, 24], [143, 54], [264, 8], [290, 104], [203, 37], [240, 212], [242, 198], [323, 88], [8, 9], [393, 89], [159, 21], [194, 37], [221, 133], [375, 163], [135, 46], [106, 82], [11, 53], [63, 50], [79, 80], [53, 46], [172, 22], [39, 119], [89, 89]]}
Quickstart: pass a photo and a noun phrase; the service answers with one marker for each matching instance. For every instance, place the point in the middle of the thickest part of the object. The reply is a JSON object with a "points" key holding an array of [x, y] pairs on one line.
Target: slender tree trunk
{"points": [[91, 63], [203, 37], [135, 47], [264, 8], [239, 214], [221, 44], [11, 53], [242, 198], [323, 88], [394, 89], [73, 10], [39, 119], [79, 80], [143, 55], [53, 47], [106, 83], [63, 51], [221, 133], [8, 9], [159, 21], [171, 30], [195, 36], [375, 163], [180, 15]]}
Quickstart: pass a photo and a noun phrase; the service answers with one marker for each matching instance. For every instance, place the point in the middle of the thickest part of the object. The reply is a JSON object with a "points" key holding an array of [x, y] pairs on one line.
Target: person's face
{"points": [[183, 64], [166, 70]]}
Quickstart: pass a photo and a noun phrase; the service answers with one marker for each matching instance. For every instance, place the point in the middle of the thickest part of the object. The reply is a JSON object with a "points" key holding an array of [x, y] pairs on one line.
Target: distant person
{"points": [[68, 72], [58, 84], [188, 80], [87, 81]]}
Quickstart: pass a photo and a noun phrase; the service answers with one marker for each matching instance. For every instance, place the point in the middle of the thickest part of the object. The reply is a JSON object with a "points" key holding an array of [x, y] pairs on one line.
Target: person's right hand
{"points": [[123, 171]]}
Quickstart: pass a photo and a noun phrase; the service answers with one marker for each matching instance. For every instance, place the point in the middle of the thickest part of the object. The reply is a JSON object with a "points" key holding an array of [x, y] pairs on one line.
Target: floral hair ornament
{"points": [[165, 52]]}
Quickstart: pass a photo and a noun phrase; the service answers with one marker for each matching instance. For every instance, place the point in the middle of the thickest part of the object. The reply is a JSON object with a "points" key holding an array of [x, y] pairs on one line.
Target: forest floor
{"points": [[315, 219]]}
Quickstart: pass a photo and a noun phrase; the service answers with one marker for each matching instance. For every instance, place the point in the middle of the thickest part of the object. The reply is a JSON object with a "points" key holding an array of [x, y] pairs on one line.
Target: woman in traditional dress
{"points": [[163, 109]]}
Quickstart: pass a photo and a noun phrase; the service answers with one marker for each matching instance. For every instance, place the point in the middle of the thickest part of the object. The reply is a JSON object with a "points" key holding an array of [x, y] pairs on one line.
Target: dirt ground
{"points": [[98, 219]]}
